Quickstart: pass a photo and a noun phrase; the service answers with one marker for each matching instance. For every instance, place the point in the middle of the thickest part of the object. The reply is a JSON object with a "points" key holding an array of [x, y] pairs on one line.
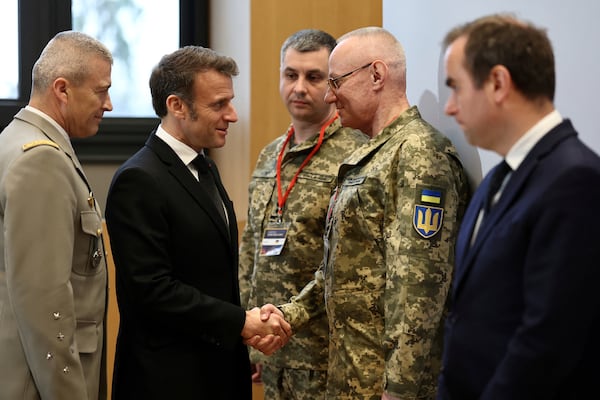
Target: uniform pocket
{"points": [[86, 336], [91, 225]]}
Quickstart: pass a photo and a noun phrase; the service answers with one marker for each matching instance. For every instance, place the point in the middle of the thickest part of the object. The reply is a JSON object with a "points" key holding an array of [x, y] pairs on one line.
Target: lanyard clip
{"points": [[277, 216]]}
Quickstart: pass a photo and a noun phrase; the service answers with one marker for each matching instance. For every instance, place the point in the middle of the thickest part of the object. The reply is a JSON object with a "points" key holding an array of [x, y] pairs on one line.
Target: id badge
{"points": [[274, 239]]}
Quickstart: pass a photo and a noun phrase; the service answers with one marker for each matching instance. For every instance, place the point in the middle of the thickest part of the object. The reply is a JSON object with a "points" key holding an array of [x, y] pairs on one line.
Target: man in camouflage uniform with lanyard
{"points": [[390, 234], [282, 243]]}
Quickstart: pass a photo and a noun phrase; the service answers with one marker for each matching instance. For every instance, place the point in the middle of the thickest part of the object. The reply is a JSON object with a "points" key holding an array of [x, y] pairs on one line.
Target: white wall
{"points": [[572, 27], [230, 35]]}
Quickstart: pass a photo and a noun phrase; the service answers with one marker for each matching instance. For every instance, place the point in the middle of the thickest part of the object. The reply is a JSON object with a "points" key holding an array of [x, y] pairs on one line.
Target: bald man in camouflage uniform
{"points": [[274, 273], [390, 232]]}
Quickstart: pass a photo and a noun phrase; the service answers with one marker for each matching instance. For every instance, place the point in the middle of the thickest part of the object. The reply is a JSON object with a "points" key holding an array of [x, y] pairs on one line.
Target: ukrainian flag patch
{"points": [[428, 213], [431, 196]]}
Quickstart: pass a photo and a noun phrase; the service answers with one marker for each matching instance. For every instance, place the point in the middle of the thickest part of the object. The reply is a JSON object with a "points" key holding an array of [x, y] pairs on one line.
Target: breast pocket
{"points": [[91, 256]]}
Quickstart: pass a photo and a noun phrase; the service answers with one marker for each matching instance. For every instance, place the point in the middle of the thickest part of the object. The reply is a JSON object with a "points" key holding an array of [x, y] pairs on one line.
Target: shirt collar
{"points": [[183, 151], [523, 146]]}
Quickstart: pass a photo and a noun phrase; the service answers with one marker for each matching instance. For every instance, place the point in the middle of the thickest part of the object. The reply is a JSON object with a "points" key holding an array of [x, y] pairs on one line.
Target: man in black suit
{"points": [[524, 311], [175, 247]]}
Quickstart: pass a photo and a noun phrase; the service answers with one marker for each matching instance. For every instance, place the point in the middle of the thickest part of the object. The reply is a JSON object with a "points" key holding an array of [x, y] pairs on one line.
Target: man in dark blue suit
{"points": [[174, 240], [525, 312]]}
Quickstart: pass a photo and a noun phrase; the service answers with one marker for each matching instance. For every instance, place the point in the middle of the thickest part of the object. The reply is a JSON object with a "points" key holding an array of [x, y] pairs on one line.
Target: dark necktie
{"points": [[206, 177], [498, 175]]}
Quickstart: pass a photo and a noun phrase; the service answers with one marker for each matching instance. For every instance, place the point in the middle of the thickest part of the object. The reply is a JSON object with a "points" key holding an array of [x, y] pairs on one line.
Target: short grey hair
{"points": [[308, 40], [67, 55]]}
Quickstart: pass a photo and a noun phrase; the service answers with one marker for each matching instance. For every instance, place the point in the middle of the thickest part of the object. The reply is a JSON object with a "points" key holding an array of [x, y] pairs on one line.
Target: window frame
{"points": [[118, 138]]}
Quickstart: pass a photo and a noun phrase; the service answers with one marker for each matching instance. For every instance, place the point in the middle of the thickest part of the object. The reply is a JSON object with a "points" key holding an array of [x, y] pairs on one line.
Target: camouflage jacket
{"points": [[275, 279], [389, 259]]}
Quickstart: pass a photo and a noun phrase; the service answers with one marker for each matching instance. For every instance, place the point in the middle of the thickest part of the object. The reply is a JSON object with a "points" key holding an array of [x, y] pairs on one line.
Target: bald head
{"points": [[367, 71], [374, 43]]}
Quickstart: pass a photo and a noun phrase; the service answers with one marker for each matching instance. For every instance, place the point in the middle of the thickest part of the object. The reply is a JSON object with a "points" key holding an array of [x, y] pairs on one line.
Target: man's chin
{"points": [[83, 134], [219, 143]]}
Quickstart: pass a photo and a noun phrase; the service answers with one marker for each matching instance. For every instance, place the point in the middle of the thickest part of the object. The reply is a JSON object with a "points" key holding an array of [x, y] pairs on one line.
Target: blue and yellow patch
{"points": [[428, 212], [431, 196]]}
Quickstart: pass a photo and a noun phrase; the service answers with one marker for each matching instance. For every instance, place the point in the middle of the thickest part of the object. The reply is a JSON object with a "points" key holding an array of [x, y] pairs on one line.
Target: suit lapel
{"points": [[185, 178], [465, 254], [463, 242]]}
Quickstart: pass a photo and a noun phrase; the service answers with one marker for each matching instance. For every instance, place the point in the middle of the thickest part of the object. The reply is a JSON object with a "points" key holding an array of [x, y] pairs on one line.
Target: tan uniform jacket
{"points": [[52, 269]]}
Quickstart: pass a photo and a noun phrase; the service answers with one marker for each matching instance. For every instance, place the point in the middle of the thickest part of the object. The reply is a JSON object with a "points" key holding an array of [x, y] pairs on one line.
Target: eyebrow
{"points": [[103, 87], [310, 71], [222, 99]]}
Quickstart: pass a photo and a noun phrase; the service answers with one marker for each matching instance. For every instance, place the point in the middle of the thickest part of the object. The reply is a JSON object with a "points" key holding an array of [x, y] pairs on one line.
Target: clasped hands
{"points": [[265, 329]]}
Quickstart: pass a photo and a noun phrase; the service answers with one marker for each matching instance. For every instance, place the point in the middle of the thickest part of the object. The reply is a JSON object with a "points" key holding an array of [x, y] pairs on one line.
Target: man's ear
{"points": [[60, 88], [501, 82], [176, 106], [378, 71]]}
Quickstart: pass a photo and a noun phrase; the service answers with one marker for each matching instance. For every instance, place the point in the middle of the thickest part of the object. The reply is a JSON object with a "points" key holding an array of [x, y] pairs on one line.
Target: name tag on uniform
{"points": [[273, 240]]}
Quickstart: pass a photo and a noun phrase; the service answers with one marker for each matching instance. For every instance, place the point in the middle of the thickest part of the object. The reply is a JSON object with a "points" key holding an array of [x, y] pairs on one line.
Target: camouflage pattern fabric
{"points": [[275, 279], [386, 276], [293, 384]]}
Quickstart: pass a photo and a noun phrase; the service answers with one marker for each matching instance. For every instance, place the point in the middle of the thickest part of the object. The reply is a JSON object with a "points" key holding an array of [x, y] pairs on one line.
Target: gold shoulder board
{"points": [[36, 143]]}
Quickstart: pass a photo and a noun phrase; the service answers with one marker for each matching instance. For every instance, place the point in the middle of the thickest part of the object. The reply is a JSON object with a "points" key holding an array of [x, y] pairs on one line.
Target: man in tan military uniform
{"points": [[289, 193], [52, 264], [390, 233]]}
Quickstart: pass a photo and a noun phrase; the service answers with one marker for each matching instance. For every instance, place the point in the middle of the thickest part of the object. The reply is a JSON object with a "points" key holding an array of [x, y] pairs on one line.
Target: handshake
{"points": [[265, 329]]}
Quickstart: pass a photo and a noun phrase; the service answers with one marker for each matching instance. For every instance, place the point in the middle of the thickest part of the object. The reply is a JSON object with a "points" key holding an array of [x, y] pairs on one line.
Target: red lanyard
{"points": [[282, 198]]}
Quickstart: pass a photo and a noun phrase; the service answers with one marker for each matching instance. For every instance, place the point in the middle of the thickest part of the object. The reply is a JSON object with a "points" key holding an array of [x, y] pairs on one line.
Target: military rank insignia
{"points": [[429, 211]]}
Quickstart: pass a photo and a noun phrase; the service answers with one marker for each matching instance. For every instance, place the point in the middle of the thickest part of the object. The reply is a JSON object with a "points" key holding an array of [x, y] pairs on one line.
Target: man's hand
{"points": [[267, 310], [266, 334]]}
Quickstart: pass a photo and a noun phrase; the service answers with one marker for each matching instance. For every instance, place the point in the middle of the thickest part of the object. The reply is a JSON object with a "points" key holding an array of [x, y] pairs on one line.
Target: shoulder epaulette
{"points": [[36, 143]]}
